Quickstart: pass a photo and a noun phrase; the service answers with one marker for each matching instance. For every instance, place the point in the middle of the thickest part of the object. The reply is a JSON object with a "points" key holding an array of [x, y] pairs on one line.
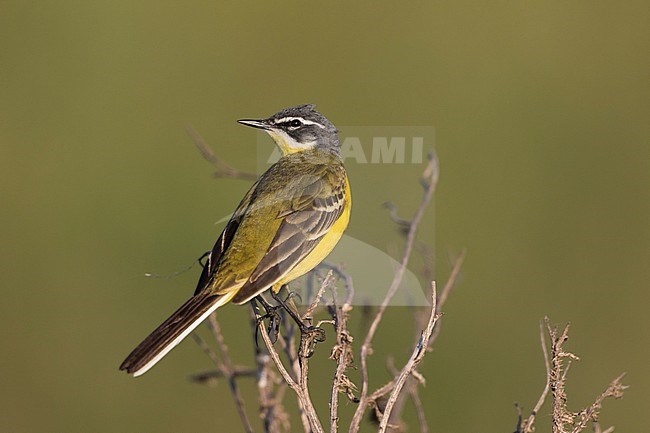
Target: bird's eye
{"points": [[295, 123]]}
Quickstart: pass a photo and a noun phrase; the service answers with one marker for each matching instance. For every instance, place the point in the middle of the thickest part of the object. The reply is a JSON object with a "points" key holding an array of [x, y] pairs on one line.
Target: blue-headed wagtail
{"points": [[286, 224]]}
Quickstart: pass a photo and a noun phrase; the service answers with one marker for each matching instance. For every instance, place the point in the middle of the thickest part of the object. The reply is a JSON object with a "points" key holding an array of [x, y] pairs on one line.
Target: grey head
{"points": [[298, 128]]}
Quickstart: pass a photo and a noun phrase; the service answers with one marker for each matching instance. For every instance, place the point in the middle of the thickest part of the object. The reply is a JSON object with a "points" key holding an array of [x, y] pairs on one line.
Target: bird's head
{"points": [[298, 128]]}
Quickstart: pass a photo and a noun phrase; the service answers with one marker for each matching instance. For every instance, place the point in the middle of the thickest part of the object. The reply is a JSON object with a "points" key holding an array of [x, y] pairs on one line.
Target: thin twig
{"points": [[212, 375], [448, 287], [288, 344], [562, 417], [229, 369], [614, 389], [224, 364], [444, 295], [416, 357], [223, 169], [298, 387], [451, 281], [429, 182], [271, 408], [598, 428], [341, 352], [419, 408], [557, 377], [329, 278], [411, 391], [527, 426]]}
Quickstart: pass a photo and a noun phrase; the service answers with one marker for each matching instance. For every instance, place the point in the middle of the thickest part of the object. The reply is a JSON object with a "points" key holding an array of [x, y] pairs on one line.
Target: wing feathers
{"points": [[321, 203]]}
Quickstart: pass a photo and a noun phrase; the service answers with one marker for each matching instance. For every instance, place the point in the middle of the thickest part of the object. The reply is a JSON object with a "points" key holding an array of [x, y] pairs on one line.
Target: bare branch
{"points": [[449, 285], [419, 408], [527, 426], [288, 345], [451, 281], [446, 290], [416, 357], [557, 378], [564, 421], [429, 180], [211, 376], [272, 412], [615, 389], [329, 278], [598, 429], [341, 353], [225, 367], [229, 370], [300, 387], [223, 169]]}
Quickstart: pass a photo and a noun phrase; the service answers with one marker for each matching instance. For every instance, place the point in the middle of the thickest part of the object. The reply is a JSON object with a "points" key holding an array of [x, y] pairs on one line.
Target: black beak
{"points": [[260, 124]]}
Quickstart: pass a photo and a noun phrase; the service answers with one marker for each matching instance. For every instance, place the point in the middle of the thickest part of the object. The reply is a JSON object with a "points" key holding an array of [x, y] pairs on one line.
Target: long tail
{"points": [[172, 331]]}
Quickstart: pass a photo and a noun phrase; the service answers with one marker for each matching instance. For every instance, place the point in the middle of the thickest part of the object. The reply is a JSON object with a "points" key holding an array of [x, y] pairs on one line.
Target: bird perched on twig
{"points": [[287, 223]]}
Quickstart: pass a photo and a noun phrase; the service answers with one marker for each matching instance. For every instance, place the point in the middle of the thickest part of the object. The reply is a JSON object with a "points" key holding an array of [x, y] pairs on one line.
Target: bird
{"points": [[290, 219]]}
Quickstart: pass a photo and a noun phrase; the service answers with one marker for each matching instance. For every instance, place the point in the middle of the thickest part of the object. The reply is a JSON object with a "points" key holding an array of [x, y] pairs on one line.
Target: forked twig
{"points": [[429, 182], [227, 370], [527, 426], [327, 281], [299, 387], [416, 357], [341, 352], [563, 420]]}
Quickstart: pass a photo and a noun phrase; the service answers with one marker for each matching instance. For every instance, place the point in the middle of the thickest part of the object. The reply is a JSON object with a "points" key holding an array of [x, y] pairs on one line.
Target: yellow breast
{"points": [[325, 246]]}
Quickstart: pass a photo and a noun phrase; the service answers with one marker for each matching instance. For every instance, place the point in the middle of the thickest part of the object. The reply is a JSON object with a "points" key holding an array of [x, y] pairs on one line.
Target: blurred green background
{"points": [[541, 115]]}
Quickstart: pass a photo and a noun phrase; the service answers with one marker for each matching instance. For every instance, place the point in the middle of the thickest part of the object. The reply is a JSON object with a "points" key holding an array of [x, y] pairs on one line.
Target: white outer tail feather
{"points": [[222, 300]]}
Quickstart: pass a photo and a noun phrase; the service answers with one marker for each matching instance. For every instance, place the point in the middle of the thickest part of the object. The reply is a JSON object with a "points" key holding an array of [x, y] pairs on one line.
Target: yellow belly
{"points": [[325, 246]]}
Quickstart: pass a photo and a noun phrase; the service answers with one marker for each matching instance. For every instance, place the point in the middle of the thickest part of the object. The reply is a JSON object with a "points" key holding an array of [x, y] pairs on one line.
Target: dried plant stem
{"points": [[342, 353], [327, 281], [227, 370], [272, 410], [300, 387], [614, 389], [223, 169], [416, 357], [557, 377], [527, 426], [288, 345], [419, 408], [444, 295], [563, 420], [429, 182]]}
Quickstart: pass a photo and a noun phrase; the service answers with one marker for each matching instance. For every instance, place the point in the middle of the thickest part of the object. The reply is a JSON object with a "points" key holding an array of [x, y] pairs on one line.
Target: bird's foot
{"points": [[273, 328], [309, 337]]}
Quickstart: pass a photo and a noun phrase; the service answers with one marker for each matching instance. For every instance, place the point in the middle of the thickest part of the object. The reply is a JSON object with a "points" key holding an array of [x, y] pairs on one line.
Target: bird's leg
{"points": [[271, 314], [309, 335]]}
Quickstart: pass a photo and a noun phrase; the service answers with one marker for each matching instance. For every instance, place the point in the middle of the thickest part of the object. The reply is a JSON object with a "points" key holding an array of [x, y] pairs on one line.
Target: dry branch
{"points": [[300, 387], [414, 360], [342, 351], [226, 368], [563, 420], [223, 169], [429, 181]]}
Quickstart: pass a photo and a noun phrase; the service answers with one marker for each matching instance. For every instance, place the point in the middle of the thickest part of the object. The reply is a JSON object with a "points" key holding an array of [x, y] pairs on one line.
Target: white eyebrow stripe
{"points": [[305, 121]]}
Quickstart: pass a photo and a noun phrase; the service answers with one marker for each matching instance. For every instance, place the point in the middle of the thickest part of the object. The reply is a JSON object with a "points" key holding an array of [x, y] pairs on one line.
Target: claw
{"points": [[309, 336], [292, 294], [273, 328]]}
